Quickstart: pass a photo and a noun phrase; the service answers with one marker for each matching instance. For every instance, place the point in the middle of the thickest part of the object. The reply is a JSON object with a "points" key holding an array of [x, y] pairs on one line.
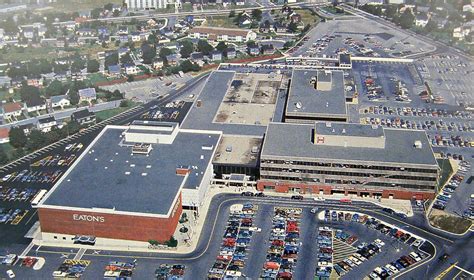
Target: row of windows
{"points": [[358, 166], [350, 174], [346, 182]]}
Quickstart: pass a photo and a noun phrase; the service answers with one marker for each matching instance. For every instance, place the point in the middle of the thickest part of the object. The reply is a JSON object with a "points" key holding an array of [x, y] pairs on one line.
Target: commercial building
{"points": [[131, 183], [145, 4], [364, 160], [316, 95], [219, 34]]}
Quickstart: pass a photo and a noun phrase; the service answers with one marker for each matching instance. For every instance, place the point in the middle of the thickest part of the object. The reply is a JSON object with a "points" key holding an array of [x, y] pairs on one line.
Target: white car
{"points": [[319, 198], [415, 256], [379, 243], [314, 210], [419, 203], [391, 268], [10, 274], [374, 276]]}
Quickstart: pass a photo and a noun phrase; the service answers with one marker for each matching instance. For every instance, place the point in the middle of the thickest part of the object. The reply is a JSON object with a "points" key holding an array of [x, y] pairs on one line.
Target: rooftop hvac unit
{"points": [[418, 144], [298, 105]]}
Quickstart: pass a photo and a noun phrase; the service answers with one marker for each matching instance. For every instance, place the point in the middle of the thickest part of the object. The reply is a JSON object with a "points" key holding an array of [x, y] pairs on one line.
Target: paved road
{"points": [[59, 115]]}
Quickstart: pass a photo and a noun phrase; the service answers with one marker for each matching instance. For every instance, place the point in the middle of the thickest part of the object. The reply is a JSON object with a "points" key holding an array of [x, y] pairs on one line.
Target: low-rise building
{"points": [[83, 117], [60, 101], [46, 124], [218, 34], [4, 135], [13, 109], [350, 159], [35, 103], [215, 55], [87, 94], [131, 69], [230, 53]]}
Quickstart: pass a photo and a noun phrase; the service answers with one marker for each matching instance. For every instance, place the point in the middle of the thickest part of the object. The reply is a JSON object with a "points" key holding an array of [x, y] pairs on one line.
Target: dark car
{"points": [[297, 197], [247, 194], [388, 210], [260, 194]]}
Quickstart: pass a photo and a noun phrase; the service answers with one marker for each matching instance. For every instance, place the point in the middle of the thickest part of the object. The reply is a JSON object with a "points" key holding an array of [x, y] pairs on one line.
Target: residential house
{"points": [[49, 42], [59, 101], [172, 59], [468, 8], [215, 55], [35, 81], [42, 31], [157, 63], [230, 53], [131, 69], [461, 32], [28, 32], [4, 135], [122, 30], [87, 94], [46, 124], [123, 51], [421, 20], [136, 37], [85, 32], [83, 117], [13, 109], [5, 81], [27, 128], [35, 103], [268, 49], [218, 34], [253, 50], [69, 25], [103, 31], [294, 17], [114, 70]]}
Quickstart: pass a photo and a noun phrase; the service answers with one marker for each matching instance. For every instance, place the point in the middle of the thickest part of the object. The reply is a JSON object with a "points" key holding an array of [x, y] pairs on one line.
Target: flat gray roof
{"points": [[304, 99], [334, 128], [99, 179], [211, 97], [294, 141]]}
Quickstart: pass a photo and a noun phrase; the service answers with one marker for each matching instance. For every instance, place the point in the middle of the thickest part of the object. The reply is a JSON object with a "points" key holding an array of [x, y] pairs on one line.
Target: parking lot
{"points": [[149, 89], [360, 38], [171, 112], [449, 77], [254, 240]]}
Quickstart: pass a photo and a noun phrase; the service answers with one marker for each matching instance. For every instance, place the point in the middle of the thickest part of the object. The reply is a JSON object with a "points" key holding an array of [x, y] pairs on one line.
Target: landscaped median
{"points": [[448, 222]]}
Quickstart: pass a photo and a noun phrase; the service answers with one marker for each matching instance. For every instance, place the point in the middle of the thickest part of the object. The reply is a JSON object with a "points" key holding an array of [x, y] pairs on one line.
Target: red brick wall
{"points": [[283, 187], [114, 226]]}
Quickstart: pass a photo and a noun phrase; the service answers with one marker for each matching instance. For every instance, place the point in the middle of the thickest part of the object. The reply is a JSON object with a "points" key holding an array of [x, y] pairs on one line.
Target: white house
{"points": [[59, 101], [13, 109], [462, 31], [131, 69], [421, 20], [46, 124], [35, 103]]}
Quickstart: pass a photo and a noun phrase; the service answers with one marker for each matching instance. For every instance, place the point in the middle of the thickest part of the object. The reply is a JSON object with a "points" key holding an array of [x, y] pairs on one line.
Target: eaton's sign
{"points": [[88, 218]]}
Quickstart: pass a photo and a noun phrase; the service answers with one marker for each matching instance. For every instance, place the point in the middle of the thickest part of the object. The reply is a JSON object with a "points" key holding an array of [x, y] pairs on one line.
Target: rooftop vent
{"points": [[228, 149], [343, 131], [202, 156], [132, 165], [148, 166], [127, 172], [298, 105], [418, 144], [144, 174], [328, 124]]}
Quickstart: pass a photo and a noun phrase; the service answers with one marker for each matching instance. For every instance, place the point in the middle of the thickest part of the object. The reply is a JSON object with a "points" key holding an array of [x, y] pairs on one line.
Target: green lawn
{"points": [[9, 150], [307, 16], [79, 5], [220, 21], [449, 222], [106, 114]]}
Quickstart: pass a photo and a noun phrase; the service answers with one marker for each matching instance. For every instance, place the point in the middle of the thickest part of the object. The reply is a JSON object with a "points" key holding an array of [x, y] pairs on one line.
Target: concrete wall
{"points": [[359, 191]]}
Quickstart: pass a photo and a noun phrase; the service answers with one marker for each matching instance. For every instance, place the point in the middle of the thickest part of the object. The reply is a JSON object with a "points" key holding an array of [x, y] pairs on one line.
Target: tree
{"points": [[124, 103], [293, 27], [111, 59], [257, 14], [187, 48], [130, 78], [116, 13], [164, 52], [73, 97], [204, 47], [95, 13], [36, 140], [17, 137], [55, 88], [232, 14], [288, 44], [77, 65], [28, 92], [152, 39], [3, 156], [148, 53], [93, 66], [407, 19], [222, 46], [390, 11], [126, 59]]}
